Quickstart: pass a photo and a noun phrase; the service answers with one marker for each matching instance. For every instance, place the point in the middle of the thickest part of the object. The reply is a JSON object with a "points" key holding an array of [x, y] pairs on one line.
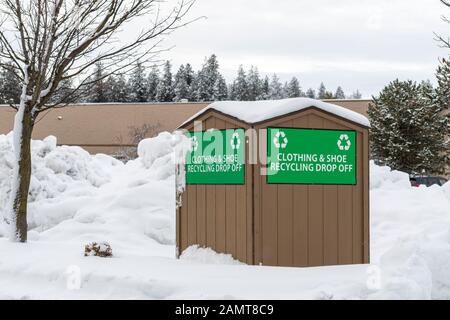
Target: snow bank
{"points": [[77, 199], [256, 111], [410, 236], [207, 256]]}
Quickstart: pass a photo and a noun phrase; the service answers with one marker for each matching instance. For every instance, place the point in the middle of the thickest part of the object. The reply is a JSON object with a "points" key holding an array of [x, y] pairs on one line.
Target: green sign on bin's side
{"points": [[216, 157], [311, 156]]}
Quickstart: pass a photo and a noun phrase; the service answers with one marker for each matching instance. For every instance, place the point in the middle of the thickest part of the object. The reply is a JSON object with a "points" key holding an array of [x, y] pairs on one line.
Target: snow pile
{"points": [[385, 178], [257, 111], [55, 170], [82, 198], [78, 199], [410, 236], [207, 256], [160, 152]]}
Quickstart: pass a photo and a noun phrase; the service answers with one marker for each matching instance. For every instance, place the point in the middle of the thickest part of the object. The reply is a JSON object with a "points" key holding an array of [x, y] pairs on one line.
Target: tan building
{"points": [[105, 128]]}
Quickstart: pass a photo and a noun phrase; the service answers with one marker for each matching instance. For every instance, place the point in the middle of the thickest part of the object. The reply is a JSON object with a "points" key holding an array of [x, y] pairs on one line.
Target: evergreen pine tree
{"points": [[356, 95], [293, 89], [265, 89], [311, 93], [322, 93], [276, 88], [10, 88], [138, 84], [408, 129], [65, 93], [194, 86], [110, 89], [181, 85], [254, 84], [443, 80], [120, 93], [97, 92], [231, 96], [220, 89], [339, 93], [207, 79], [165, 92], [152, 84], [240, 86]]}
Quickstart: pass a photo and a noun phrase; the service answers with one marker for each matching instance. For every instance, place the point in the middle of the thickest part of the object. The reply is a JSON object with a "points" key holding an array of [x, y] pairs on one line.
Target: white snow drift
{"points": [[77, 198]]}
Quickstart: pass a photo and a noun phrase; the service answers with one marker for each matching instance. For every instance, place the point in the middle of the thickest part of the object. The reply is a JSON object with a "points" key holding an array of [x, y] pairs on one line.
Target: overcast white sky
{"points": [[358, 44]]}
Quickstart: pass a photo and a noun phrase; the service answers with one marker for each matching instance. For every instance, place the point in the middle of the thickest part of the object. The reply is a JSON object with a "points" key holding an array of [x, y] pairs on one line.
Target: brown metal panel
{"points": [[241, 223], [285, 220], [358, 209], [184, 222], [300, 225], [330, 212], [285, 232], [366, 197], [201, 215], [269, 222], [330, 224], [345, 224], [315, 210], [230, 212], [192, 214], [210, 201], [220, 207], [268, 237], [230, 219], [300, 214]]}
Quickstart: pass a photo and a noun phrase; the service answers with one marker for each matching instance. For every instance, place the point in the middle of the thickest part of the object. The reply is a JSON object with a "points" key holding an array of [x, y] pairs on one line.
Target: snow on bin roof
{"points": [[257, 111]]}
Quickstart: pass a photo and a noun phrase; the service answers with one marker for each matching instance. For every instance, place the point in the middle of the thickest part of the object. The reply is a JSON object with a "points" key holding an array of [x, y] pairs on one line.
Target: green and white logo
{"points": [[280, 140], [194, 143], [235, 141], [344, 142]]}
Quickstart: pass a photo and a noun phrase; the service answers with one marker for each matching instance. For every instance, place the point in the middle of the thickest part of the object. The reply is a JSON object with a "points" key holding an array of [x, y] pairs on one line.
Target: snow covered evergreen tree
{"points": [[240, 86], [152, 84], [64, 92], [356, 95], [443, 80], [138, 84], [181, 86], [207, 79], [293, 89], [254, 84], [408, 129], [339, 93], [165, 91], [120, 93], [97, 93], [276, 88], [194, 86], [265, 89], [321, 94], [9, 86], [220, 89], [190, 80], [311, 93]]}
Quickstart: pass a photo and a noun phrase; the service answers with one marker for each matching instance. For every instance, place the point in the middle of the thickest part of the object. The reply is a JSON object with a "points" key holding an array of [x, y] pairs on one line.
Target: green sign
{"points": [[311, 156], [216, 157]]}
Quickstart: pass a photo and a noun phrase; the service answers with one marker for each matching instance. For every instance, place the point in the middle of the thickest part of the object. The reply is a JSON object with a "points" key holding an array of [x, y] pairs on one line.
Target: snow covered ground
{"points": [[77, 198]]}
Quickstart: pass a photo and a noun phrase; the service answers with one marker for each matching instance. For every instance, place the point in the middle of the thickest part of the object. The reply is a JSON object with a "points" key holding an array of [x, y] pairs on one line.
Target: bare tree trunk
{"points": [[22, 131]]}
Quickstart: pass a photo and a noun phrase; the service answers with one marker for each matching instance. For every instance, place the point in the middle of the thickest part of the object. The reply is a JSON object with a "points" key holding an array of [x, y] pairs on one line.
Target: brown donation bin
{"points": [[313, 211]]}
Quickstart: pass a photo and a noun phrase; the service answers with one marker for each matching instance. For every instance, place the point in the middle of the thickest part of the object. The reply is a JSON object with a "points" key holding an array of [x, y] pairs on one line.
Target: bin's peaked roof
{"points": [[257, 111]]}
